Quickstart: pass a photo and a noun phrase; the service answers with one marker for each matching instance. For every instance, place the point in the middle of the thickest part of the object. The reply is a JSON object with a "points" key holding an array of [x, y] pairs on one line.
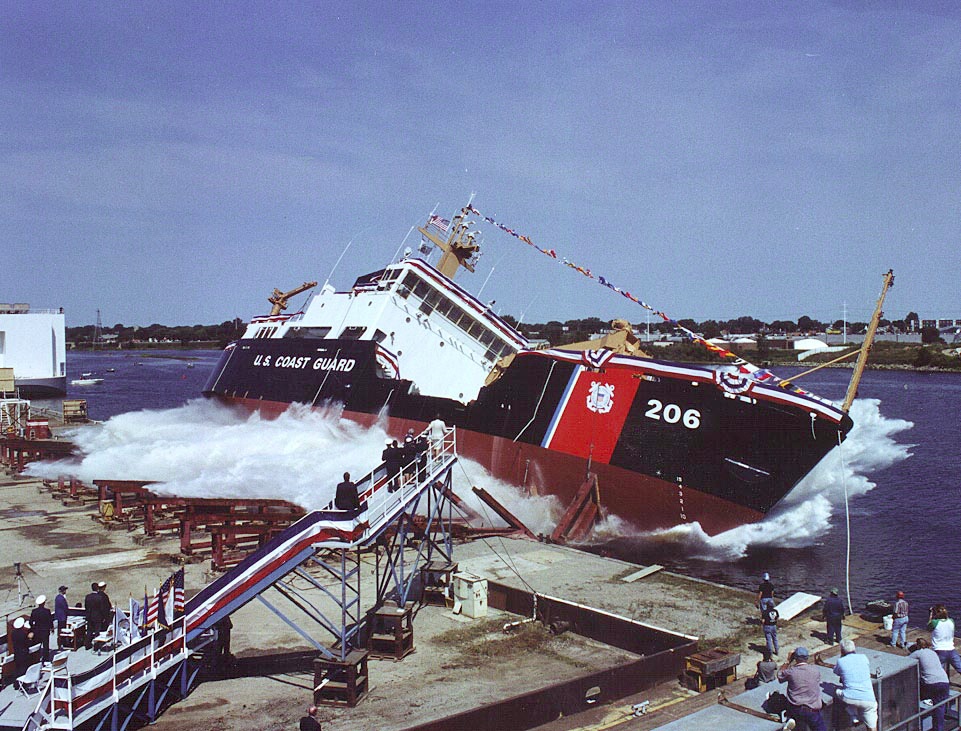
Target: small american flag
{"points": [[441, 224], [179, 593], [155, 607]]}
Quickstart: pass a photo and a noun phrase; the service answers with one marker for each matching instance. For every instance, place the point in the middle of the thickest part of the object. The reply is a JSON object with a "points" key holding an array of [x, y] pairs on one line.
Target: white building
{"points": [[33, 343]]}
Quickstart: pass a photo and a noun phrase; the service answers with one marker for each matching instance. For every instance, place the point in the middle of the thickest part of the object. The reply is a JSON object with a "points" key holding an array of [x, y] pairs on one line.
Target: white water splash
{"points": [[204, 449], [805, 514]]}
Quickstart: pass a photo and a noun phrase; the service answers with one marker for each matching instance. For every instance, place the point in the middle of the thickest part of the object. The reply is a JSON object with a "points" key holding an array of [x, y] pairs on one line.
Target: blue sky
{"points": [[174, 162]]}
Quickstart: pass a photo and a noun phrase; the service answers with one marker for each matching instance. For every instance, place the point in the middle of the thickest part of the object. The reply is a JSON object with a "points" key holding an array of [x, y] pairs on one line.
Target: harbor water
{"points": [[898, 468]]}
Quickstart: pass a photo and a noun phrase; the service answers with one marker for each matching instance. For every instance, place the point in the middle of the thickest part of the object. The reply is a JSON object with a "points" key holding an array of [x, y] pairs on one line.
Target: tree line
{"points": [[123, 335], [555, 331], [570, 331]]}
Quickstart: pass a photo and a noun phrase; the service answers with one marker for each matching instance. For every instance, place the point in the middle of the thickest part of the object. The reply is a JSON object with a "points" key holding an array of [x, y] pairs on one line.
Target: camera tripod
{"points": [[23, 588]]}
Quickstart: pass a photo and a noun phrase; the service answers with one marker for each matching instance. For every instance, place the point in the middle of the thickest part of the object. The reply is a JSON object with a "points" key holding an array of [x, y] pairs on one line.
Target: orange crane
{"points": [[279, 299]]}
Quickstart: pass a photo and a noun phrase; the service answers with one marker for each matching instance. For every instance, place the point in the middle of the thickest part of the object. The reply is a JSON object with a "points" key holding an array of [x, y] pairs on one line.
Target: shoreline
{"points": [[156, 352]]}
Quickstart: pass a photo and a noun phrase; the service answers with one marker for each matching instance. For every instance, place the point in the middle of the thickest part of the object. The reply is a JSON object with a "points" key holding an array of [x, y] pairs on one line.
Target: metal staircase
{"points": [[137, 681]]}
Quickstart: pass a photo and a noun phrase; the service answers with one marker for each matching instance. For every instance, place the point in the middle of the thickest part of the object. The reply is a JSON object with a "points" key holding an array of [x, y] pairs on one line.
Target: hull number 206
{"points": [[672, 414]]}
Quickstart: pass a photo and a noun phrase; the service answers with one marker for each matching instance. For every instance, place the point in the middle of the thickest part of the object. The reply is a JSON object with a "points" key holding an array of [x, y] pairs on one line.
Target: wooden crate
{"points": [[710, 669], [391, 632], [341, 682]]}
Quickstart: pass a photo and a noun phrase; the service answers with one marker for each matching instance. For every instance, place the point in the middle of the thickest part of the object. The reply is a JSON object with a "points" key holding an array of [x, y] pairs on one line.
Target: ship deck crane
{"points": [[279, 299]]}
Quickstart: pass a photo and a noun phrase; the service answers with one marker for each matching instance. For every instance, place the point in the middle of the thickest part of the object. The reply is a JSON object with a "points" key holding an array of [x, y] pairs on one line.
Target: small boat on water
{"points": [[671, 443], [86, 379]]}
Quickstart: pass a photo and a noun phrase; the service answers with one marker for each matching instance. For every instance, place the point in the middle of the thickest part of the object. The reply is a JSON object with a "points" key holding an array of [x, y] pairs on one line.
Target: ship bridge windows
{"points": [[422, 289], [430, 302], [497, 351], [407, 285], [310, 333], [353, 332], [265, 332], [434, 301], [388, 278]]}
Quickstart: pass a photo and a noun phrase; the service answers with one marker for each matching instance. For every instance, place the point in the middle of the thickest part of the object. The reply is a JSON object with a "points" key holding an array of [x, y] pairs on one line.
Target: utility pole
{"points": [[844, 319], [98, 332]]}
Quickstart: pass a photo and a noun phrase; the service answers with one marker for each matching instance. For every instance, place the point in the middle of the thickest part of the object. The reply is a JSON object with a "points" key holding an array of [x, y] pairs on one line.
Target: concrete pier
{"points": [[458, 663]]}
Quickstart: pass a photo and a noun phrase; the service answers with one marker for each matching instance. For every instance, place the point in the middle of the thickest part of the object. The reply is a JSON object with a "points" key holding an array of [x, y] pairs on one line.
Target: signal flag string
{"points": [[745, 367]]}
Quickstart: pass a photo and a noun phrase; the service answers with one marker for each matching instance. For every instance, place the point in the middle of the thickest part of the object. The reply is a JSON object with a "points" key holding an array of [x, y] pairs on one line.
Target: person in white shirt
{"points": [[942, 637], [436, 430]]}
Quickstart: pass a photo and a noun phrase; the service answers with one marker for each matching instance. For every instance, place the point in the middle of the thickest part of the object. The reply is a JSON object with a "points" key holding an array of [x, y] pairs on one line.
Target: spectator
{"points": [[942, 637], [393, 460], [94, 614], [803, 689], [20, 642], [769, 618], [765, 673], [60, 606], [899, 627], [765, 592], [105, 604], [436, 429], [41, 620], [856, 691], [346, 497], [833, 616], [310, 722], [934, 680]]}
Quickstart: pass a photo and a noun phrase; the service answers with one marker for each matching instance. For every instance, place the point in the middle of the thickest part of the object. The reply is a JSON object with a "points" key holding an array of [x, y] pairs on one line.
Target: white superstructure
{"points": [[33, 343], [428, 329]]}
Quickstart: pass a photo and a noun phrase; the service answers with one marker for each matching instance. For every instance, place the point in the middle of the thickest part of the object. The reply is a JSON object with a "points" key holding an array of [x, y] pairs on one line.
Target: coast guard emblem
{"points": [[600, 400]]}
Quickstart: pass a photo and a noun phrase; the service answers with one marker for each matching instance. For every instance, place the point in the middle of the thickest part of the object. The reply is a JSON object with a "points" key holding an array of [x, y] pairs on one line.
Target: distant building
{"points": [[941, 322], [808, 344]]}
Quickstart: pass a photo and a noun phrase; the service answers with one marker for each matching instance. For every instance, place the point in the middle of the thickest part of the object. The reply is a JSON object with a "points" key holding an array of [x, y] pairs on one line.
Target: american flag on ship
{"points": [[441, 224]]}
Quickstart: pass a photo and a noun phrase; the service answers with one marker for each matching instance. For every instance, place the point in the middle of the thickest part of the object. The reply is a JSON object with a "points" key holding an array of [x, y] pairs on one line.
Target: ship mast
{"points": [[866, 345], [460, 249]]}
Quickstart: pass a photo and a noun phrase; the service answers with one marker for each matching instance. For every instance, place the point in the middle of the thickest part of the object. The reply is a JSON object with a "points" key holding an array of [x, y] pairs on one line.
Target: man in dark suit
{"points": [[41, 620], [94, 613], [346, 497], [60, 607]]}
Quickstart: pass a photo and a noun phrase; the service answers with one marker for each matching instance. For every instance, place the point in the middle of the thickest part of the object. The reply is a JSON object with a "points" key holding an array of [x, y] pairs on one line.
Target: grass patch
{"points": [[485, 642]]}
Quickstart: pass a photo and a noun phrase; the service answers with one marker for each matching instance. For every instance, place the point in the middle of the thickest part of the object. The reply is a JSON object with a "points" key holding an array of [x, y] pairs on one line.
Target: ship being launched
{"points": [[671, 443]]}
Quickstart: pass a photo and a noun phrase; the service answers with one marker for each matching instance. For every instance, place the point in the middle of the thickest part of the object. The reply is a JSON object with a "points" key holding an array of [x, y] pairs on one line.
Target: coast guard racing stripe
{"points": [[589, 417]]}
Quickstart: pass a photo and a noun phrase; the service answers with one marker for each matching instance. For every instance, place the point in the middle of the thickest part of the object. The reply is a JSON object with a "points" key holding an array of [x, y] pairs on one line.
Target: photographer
{"points": [[942, 637], [803, 690]]}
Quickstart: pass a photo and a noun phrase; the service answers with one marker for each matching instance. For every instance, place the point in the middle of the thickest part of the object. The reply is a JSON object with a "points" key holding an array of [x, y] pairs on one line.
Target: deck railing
{"points": [[68, 698], [380, 494]]}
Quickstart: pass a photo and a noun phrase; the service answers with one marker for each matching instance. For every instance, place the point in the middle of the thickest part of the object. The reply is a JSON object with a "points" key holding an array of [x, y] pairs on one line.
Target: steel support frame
{"points": [[146, 706], [345, 569], [396, 581]]}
